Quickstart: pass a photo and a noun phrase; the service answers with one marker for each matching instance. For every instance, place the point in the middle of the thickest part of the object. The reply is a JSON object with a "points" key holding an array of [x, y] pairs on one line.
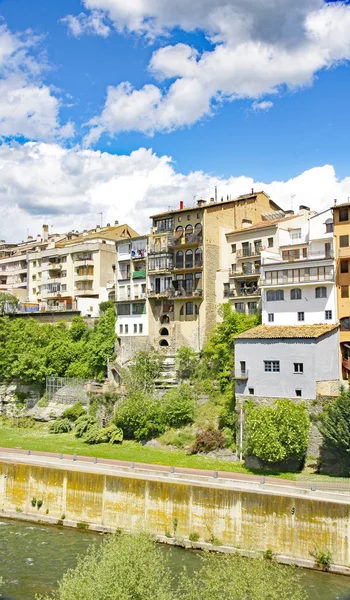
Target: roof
{"points": [[114, 233], [208, 205], [343, 205], [286, 331], [263, 224]]}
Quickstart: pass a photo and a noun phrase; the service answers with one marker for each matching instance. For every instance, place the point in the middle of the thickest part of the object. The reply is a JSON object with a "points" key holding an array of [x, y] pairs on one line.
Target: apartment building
{"points": [[131, 288], [184, 265], [76, 272], [341, 216], [298, 280], [242, 253]]}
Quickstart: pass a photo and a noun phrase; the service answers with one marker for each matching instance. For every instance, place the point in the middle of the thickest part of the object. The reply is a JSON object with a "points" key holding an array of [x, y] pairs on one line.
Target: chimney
{"points": [[108, 225], [30, 237], [181, 205], [116, 222], [303, 207], [212, 200], [252, 190], [98, 227], [45, 235]]}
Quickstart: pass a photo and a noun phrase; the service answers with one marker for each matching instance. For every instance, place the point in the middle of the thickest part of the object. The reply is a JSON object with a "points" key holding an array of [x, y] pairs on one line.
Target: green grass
{"points": [[40, 439]]}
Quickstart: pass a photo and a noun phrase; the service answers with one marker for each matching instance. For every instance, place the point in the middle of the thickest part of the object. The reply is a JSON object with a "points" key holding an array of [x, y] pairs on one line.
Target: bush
{"points": [[74, 412], [208, 440], [145, 368], [278, 433], [186, 361], [179, 406], [335, 426], [140, 417], [181, 439], [60, 426], [83, 424], [97, 435]]}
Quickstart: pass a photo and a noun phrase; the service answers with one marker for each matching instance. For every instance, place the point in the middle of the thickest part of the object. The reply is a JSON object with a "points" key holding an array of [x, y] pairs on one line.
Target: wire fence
{"points": [[67, 390]]}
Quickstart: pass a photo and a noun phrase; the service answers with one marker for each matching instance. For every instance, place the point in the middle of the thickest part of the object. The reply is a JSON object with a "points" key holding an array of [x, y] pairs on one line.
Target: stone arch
{"points": [[164, 331], [163, 343], [165, 319]]}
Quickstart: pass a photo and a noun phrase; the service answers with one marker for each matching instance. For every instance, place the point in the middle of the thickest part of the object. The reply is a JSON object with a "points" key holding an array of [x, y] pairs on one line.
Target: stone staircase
{"points": [[167, 377]]}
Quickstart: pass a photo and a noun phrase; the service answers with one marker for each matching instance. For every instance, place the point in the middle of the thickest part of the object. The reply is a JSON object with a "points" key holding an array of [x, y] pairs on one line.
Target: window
{"points": [[33, 277], [188, 217], [196, 309], [198, 215], [233, 248], [189, 259], [251, 391], [34, 290], [295, 294], [140, 328], [321, 292], [345, 324], [274, 295], [301, 316], [123, 309], [198, 257], [139, 308], [121, 328], [34, 263], [189, 308], [64, 287], [344, 291], [270, 242], [272, 366], [298, 368], [252, 308], [291, 254], [328, 315], [179, 219], [343, 241], [270, 317], [179, 263], [182, 310], [239, 307], [344, 266], [343, 214], [64, 273], [126, 328], [64, 259], [243, 367], [298, 393], [329, 227], [295, 234], [135, 328]]}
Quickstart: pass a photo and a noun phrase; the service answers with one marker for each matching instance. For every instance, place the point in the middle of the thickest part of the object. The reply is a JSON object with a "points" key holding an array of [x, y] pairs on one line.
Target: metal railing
{"points": [[189, 238], [251, 250], [186, 293], [245, 272]]}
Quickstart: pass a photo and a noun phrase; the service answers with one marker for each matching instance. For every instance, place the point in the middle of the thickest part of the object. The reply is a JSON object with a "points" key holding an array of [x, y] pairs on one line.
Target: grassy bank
{"points": [[40, 439]]}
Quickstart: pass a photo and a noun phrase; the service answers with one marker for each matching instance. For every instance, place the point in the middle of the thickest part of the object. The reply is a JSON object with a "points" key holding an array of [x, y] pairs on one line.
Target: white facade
{"points": [[298, 281], [131, 288]]}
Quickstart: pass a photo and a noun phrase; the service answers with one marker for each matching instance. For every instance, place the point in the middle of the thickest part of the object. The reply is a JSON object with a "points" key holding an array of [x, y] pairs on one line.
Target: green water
{"points": [[33, 557]]}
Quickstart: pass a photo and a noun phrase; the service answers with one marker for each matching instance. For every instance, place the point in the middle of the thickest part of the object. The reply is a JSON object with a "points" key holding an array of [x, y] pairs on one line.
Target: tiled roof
{"points": [[343, 205], [286, 331], [263, 224]]}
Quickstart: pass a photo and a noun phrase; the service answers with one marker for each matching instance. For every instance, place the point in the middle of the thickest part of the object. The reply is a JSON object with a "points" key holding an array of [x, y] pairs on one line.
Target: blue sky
{"points": [[236, 104]]}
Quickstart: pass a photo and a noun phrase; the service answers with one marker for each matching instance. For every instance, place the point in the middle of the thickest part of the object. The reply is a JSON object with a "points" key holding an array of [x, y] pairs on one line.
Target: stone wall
{"points": [[248, 516], [8, 395]]}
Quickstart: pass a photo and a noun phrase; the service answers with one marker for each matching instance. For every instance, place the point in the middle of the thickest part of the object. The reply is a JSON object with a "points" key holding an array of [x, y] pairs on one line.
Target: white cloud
{"points": [[27, 106], [92, 23], [258, 48], [69, 188], [262, 106]]}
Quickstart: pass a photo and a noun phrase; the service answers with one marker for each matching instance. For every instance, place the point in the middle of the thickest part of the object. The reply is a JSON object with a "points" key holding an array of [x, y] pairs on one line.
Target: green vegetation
{"points": [[277, 433], [60, 426], [133, 567], [32, 351], [8, 303], [335, 428], [208, 440], [323, 558], [187, 363], [144, 369]]}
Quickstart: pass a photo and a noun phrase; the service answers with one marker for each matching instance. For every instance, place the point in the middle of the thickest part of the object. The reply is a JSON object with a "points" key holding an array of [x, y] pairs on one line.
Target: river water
{"points": [[33, 557]]}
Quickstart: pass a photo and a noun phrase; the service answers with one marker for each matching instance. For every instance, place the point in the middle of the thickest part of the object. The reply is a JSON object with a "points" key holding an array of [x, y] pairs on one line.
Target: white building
{"points": [[131, 288], [298, 280]]}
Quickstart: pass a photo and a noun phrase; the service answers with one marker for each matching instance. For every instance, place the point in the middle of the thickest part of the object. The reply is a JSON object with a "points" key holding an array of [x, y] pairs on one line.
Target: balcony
{"points": [[242, 293], [51, 266], [84, 260], [139, 274], [327, 277], [84, 292], [186, 293], [160, 267], [241, 374], [166, 293], [249, 251], [84, 277], [254, 272], [189, 239], [138, 254]]}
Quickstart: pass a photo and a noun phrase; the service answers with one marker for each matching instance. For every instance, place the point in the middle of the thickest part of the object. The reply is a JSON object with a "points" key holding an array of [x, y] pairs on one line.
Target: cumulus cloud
{"points": [[262, 106], [258, 48], [93, 24], [27, 106], [68, 188]]}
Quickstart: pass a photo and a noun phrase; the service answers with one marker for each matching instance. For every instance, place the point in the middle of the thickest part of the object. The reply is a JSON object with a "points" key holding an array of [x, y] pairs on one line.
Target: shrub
{"points": [[323, 558], [82, 425], [208, 440], [186, 361], [145, 368], [194, 536], [278, 433], [60, 426], [180, 439], [97, 435], [179, 406], [140, 417], [335, 426], [74, 412]]}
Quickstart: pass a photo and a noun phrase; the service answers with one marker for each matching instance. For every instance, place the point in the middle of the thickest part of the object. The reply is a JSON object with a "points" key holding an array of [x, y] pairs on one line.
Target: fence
{"points": [[67, 390]]}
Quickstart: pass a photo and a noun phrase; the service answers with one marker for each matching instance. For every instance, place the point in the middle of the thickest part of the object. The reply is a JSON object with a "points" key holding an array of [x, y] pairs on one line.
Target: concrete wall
{"points": [[319, 357], [246, 516]]}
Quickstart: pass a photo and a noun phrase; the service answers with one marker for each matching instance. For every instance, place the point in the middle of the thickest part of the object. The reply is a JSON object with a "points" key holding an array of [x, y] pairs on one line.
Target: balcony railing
{"points": [[190, 238], [84, 277], [186, 293], [241, 374], [242, 293], [161, 267], [251, 250], [166, 293], [301, 279], [138, 254], [245, 272]]}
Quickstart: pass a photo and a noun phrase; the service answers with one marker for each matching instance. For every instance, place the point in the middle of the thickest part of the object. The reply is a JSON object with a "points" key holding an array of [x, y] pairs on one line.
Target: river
{"points": [[33, 557]]}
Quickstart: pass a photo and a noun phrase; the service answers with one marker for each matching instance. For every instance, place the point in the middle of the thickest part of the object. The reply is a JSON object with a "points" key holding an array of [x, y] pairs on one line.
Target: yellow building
{"points": [[341, 217], [184, 262]]}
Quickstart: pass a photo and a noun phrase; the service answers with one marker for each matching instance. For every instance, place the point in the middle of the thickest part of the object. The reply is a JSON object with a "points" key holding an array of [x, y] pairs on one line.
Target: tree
{"points": [[233, 577], [279, 432], [145, 368], [123, 567], [187, 361], [335, 426], [104, 306], [179, 406], [8, 303], [140, 417]]}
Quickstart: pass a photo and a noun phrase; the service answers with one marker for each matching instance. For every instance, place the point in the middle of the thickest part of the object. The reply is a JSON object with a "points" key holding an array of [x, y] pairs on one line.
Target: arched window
{"points": [[345, 324], [295, 294], [198, 258], [188, 232], [165, 319], [189, 259], [179, 260], [321, 292], [179, 228], [164, 331], [273, 295], [198, 232], [178, 234], [163, 343]]}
